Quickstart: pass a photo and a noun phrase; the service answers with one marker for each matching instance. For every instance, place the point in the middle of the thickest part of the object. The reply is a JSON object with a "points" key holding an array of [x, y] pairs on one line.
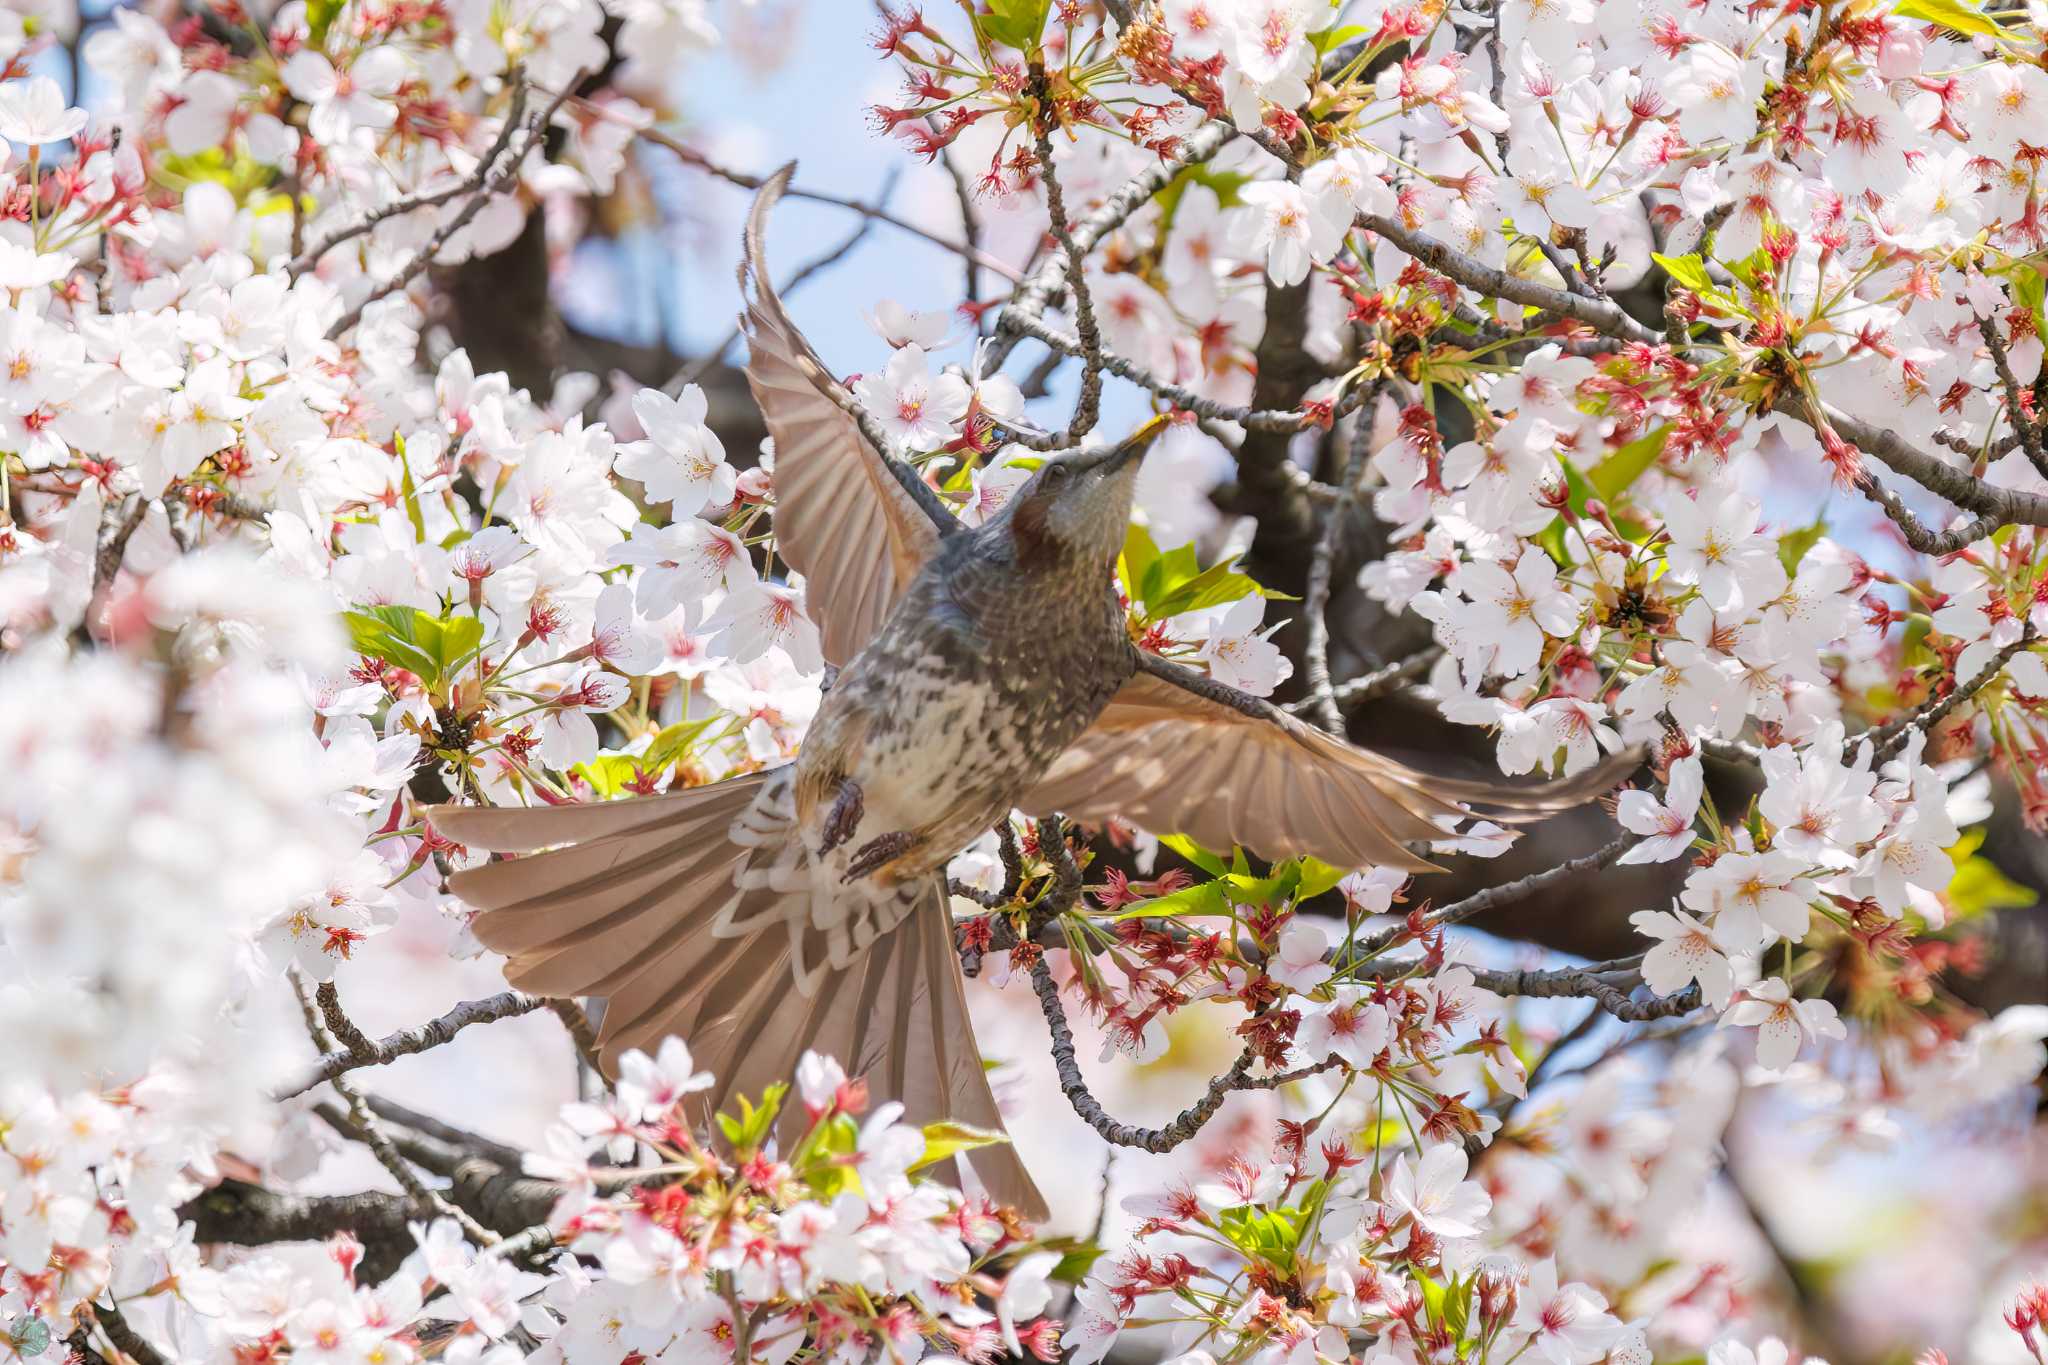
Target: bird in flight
{"points": [[981, 670]]}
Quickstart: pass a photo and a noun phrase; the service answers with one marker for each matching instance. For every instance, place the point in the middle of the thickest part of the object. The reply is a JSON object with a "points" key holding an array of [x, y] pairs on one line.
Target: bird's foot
{"points": [[844, 817], [876, 852]]}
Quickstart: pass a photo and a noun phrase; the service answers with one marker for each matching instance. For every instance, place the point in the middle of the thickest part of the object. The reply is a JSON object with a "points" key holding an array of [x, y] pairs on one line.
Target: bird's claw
{"points": [[844, 817], [876, 852]]}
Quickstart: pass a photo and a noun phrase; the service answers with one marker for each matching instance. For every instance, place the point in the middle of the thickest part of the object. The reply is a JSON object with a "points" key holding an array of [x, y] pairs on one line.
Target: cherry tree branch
{"points": [[470, 184], [1321, 703], [1089, 403], [497, 179], [1163, 1139], [408, 1042], [748, 181], [2024, 428], [1889, 739], [1047, 284], [2006, 505], [363, 1125]]}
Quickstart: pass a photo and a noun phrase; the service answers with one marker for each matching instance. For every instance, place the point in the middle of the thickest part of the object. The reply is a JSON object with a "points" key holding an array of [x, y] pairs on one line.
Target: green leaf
{"points": [[1456, 1306], [610, 775], [1317, 877], [1689, 270], [1076, 1262], [1203, 898], [30, 1336], [461, 636], [240, 176], [1166, 573], [1612, 476], [1212, 587], [672, 742], [1165, 583], [2030, 292], [391, 634], [1950, 14], [415, 641], [1225, 185], [320, 15], [1267, 1235], [1015, 23], [1194, 853], [1432, 1296], [1140, 552], [946, 1139], [1327, 40], [1750, 267], [1979, 885], [747, 1132], [1793, 545], [1913, 650]]}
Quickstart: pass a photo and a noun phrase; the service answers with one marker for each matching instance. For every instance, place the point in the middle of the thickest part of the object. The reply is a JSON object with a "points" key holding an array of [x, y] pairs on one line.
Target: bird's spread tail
{"points": [[691, 914]]}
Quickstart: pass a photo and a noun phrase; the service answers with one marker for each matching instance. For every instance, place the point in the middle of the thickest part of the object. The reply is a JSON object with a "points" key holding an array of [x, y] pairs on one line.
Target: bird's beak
{"points": [[1136, 444]]}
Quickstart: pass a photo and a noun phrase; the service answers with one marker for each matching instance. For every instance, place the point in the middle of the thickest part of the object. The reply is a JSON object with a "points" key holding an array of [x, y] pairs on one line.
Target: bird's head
{"points": [[1077, 506]]}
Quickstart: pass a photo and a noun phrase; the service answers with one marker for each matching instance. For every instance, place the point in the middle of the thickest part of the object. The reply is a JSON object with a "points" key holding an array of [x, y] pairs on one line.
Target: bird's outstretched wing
{"points": [[857, 524], [1178, 752]]}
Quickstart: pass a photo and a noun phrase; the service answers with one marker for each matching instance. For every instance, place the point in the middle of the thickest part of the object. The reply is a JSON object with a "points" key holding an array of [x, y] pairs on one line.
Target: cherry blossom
{"points": [[1666, 825], [1686, 952], [1782, 1022], [917, 408], [681, 462], [33, 112]]}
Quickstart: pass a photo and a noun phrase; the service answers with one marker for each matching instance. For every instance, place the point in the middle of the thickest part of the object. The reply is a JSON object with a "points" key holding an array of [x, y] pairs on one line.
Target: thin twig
{"points": [[577, 1021], [124, 1337], [1182, 397], [1889, 739], [494, 183], [306, 260], [428, 1203], [2023, 426], [970, 225], [1388, 677], [113, 543], [1913, 531], [696, 369], [346, 1034], [1507, 893], [748, 181], [407, 1042], [1090, 401], [1047, 284]]}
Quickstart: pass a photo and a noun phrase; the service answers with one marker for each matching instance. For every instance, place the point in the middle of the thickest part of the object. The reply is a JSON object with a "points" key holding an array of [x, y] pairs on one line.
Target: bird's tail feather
{"points": [[652, 905]]}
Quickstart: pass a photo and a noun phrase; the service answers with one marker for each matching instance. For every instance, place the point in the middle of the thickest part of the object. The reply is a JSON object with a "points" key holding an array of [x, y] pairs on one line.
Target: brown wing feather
{"points": [[841, 518], [1177, 752]]}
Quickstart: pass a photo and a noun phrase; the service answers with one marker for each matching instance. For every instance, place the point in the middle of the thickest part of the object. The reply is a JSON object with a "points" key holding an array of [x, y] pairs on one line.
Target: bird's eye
{"points": [[1056, 473]]}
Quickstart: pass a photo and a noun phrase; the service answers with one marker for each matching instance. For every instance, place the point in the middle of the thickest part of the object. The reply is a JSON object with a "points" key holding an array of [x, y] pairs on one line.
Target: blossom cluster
{"points": [[835, 1240]]}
